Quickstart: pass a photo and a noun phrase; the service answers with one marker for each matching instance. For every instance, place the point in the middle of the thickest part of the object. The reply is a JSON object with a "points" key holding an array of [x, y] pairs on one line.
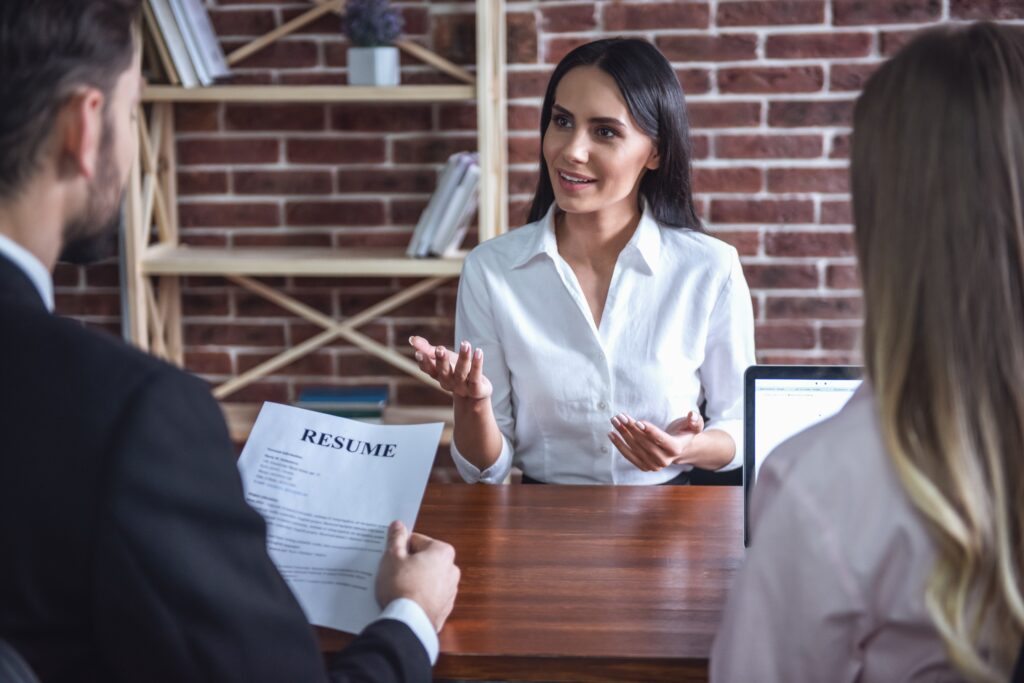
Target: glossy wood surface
{"points": [[583, 583]]}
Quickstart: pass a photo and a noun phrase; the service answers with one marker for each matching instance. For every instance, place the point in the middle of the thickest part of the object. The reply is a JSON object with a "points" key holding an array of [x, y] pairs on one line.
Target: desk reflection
{"points": [[584, 583]]}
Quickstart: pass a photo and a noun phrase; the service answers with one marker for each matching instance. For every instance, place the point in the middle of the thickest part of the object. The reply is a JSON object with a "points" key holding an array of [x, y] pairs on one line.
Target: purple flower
{"points": [[371, 23]]}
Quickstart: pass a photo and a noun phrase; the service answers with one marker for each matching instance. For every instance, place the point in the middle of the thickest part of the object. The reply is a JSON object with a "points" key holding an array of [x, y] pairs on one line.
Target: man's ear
{"points": [[80, 131]]}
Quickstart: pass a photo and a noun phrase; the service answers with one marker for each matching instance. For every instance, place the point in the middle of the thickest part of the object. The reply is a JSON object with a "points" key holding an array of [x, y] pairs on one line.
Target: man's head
{"points": [[69, 86]]}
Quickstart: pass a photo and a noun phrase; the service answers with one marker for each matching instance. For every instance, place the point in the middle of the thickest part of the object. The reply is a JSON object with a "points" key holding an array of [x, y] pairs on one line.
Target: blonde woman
{"points": [[887, 542]]}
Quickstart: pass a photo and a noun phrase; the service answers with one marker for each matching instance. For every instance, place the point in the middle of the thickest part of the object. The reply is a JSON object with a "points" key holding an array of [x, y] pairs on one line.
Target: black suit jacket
{"points": [[127, 551]]}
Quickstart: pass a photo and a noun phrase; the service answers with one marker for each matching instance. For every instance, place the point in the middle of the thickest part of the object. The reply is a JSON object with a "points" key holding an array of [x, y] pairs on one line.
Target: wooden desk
{"points": [[583, 583]]}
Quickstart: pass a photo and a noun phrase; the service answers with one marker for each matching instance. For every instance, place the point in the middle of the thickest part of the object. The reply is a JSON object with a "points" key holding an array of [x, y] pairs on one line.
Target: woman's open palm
{"points": [[650, 448], [460, 373]]}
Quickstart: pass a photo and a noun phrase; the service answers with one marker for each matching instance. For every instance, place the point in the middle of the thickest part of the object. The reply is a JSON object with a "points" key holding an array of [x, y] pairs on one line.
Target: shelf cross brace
{"points": [[332, 330]]}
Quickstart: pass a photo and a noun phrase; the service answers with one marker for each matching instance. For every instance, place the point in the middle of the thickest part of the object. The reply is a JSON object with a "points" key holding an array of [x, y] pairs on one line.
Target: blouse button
{"points": [[602, 405]]}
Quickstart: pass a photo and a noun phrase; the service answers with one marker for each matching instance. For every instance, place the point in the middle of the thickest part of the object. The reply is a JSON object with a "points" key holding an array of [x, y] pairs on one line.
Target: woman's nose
{"points": [[576, 150]]}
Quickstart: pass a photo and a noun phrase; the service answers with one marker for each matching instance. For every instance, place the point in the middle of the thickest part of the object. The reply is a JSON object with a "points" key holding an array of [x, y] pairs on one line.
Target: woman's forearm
{"points": [[476, 432], [711, 450]]}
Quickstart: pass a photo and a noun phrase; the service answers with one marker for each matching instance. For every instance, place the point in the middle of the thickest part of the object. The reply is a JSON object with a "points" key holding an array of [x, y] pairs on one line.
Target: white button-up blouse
{"points": [[677, 328]]}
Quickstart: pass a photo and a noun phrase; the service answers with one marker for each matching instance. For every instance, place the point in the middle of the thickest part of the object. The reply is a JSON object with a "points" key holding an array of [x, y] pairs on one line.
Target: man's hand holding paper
{"points": [[329, 488], [421, 569]]}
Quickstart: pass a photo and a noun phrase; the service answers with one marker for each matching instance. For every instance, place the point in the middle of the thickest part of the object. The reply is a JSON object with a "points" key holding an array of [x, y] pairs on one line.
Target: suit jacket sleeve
{"points": [[184, 588]]}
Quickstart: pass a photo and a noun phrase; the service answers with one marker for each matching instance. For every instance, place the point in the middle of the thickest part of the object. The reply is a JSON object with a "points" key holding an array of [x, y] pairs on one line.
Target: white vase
{"points": [[373, 66]]}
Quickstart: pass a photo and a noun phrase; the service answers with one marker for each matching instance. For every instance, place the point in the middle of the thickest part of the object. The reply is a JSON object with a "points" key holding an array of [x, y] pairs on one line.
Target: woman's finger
{"points": [[653, 435], [631, 439], [422, 346], [463, 364], [444, 367], [476, 368], [425, 354], [657, 450], [628, 453], [426, 364]]}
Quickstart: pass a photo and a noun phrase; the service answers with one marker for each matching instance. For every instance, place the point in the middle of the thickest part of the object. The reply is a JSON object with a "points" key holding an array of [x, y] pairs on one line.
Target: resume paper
{"points": [[328, 487]]}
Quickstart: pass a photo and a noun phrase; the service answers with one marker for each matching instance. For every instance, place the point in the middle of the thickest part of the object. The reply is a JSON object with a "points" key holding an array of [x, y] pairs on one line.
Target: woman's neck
{"points": [[596, 237]]}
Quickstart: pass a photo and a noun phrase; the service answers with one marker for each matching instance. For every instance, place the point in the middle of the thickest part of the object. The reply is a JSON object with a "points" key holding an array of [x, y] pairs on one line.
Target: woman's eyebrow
{"points": [[607, 120]]}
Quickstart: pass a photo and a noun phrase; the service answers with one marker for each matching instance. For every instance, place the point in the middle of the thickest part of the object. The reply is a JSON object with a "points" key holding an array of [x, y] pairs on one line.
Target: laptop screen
{"points": [[783, 400], [785, 407]]}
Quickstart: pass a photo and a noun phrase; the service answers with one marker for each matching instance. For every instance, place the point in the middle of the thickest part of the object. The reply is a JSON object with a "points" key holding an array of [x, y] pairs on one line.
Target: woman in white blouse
{"points": [[590, 336], [888, 542]]}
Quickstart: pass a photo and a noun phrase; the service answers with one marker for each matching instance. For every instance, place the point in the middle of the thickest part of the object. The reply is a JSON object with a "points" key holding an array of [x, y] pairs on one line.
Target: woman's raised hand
{"points": [[460, 373], [650, 448]]}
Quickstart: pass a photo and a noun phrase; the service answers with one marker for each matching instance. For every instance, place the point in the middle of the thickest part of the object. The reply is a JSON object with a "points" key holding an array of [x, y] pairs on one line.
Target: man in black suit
{"points": [[127, 552]]}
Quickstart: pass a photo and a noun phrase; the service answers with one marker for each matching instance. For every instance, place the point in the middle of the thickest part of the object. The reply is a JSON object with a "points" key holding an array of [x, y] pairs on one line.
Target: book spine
{"points": [[206, 38], [191, 45], [175, 43], [157, 40]]}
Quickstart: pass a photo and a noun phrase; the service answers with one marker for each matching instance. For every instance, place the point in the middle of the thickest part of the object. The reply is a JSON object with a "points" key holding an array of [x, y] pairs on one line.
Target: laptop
{"points": [[783, 400]]}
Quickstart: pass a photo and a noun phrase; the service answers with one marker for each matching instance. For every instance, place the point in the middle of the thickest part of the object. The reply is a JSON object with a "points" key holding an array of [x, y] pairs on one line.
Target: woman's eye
{"points": [[561, 121], [606, 133]]}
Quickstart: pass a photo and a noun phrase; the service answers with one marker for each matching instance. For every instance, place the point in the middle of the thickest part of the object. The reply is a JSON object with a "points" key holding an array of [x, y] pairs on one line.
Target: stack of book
{"points": [[359, 403], [443, 224], [185, 42]]}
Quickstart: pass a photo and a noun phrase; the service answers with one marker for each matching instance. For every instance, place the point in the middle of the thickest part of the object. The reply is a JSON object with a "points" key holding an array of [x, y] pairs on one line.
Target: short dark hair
{"points": [[48, 49], [655, 101]]}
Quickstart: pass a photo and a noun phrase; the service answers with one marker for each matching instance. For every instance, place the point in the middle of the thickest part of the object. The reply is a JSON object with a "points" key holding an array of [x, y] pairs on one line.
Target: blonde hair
{"points": [[937, 166]]}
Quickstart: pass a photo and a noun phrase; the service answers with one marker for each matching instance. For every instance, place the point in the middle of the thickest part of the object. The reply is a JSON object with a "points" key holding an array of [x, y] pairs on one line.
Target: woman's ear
{"points": [[653, 161]]}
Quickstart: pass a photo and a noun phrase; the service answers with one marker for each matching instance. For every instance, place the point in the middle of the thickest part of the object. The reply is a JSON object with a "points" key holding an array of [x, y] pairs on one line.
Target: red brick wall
{"points": [[770, 87]]}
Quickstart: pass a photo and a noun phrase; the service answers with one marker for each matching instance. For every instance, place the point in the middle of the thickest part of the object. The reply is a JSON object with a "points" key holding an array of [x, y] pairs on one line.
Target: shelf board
{"points": [[296, 261], [308, 93], [241, 416]]}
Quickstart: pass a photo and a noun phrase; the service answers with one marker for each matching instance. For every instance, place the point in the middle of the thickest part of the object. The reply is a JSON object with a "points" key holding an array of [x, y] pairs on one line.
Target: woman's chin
{"points": [[573, 204]]}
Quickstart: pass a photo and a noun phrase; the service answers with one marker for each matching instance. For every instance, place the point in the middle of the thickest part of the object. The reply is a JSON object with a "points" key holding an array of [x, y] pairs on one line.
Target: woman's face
{"points": [[595, 152]]}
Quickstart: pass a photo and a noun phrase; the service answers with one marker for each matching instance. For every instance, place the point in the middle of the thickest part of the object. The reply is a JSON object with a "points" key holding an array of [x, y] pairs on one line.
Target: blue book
{"points": [[344, 398]]}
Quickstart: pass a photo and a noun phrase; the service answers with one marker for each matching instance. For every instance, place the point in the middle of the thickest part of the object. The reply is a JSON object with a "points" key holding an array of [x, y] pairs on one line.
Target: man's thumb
{"points": [[398, 539]]}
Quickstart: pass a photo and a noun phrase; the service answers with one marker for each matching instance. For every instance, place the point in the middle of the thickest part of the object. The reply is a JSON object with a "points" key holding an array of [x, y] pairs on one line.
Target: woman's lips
{"points": [[570, 182]]}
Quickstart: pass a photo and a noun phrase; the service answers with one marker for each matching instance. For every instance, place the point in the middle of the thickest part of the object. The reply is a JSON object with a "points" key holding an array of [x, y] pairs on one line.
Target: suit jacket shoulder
{"points": [[138, 558]]}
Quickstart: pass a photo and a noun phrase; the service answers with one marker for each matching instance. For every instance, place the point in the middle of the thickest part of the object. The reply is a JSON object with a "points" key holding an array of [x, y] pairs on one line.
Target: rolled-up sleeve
{"points": [[728, 353], [474, 322]]}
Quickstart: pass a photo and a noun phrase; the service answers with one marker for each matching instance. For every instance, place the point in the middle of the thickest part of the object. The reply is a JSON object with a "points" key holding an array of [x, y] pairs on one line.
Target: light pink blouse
{"points": [[833, 584]]}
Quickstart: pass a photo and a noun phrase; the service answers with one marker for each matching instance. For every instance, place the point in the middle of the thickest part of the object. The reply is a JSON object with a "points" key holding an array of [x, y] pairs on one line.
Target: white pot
{"points": [[373, 66]]}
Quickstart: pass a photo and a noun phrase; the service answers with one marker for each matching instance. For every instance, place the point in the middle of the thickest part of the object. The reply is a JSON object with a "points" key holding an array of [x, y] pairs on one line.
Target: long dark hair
{"points": [[936, 169], [655, 101]]}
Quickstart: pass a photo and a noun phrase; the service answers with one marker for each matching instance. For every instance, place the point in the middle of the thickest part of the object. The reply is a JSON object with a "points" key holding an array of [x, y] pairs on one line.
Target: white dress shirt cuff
{"points": [[733, 428], [495, 474], [412, 615]]}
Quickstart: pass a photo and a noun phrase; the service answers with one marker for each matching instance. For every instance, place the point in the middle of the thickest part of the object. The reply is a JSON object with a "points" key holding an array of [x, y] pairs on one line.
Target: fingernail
{"points": [[479, 353], [418, 355], [465, 346], [641, 425], [439, 350], [615, 420], [410, 339]]}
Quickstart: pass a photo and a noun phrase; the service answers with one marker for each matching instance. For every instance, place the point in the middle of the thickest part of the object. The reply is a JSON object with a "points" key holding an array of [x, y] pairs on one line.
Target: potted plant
{"points": [[371, 27]]}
